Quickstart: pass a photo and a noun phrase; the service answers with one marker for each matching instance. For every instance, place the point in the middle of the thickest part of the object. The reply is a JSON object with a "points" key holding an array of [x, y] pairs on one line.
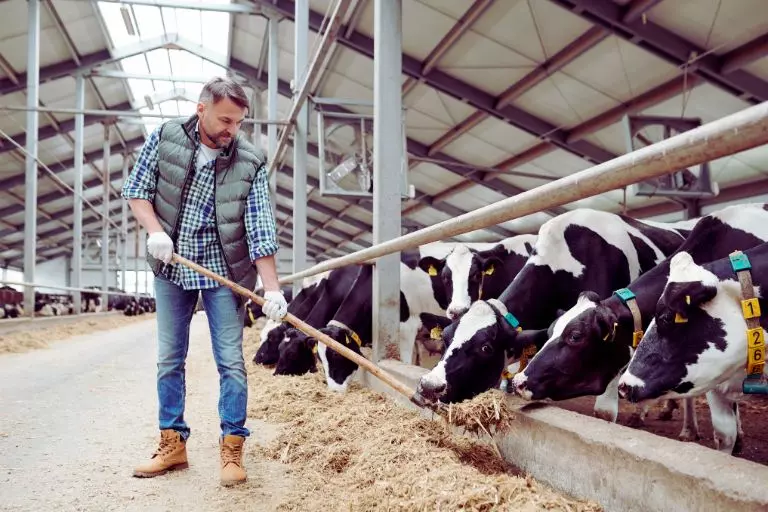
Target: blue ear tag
{"points": [[624, 294], [511, 320], [739, 261]]}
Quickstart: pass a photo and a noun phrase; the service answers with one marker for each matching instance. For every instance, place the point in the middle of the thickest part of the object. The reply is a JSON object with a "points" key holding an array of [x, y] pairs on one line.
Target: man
{"points": [[200, 189]]}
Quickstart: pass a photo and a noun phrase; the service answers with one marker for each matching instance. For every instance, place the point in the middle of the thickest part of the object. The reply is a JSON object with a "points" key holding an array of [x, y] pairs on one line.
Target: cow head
{"points": [[297, 354], [430, 334], [338, 369], [462, 273], [579, 357], [272, 335], [696, 337], [478, 345], [434, 269]]}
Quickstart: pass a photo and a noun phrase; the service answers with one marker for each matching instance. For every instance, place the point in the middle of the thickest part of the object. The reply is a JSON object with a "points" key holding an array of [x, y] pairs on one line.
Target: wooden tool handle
{"points": [[309, 330]]}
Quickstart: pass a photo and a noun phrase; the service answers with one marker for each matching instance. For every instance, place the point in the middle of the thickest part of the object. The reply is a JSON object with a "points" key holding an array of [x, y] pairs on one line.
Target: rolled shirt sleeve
{"points": [[259, 221], [142, 180]]}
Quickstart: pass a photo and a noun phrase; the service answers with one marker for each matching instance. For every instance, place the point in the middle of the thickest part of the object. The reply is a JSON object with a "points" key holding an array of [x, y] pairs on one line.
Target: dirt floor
{"points": [[77, 416], [752, 410]]}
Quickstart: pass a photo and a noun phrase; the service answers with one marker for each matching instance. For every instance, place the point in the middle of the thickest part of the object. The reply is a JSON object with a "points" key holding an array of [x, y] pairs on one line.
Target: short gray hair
{"points": [[218, 88]]}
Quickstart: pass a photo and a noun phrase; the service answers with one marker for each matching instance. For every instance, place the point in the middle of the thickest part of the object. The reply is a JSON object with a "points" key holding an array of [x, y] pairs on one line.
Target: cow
{"points": [[580, 250], [315, 304], [593, 341], [697, 342], [352, 325], [469, 273]]}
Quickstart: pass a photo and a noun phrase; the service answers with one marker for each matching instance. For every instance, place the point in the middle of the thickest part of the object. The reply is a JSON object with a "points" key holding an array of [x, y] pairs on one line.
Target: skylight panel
{"points": [[135, 64], [149, 22], [193, 89], [216, 24], [211, 69], [169, 108], [188, 21], [113, 19], [158, 62], [187, 108], [140, 88], [185, 63], [169, 19]]}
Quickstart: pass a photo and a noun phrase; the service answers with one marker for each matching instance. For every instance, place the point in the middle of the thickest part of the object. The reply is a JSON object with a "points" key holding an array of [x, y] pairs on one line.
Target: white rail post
{"points": [[105, 223], [301, 48], [30, 182], [77, 235], [274, 53], [387, 151]]}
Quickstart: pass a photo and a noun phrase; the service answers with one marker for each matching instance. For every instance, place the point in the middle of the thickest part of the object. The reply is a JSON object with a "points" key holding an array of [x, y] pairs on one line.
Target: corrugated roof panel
{"points": [[502, 135], [758, 68], [534, 29], [712, 23], [476, 151], [620, 69], [432, 179], [441, 107], [528, 223]]}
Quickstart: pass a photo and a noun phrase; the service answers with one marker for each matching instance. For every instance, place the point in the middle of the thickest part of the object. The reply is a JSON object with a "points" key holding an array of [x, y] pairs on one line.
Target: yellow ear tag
{"points": [[436, 333], [490, 270], [680, 319], [314, 348], [432, 271], [636, 337], [688, 299]]}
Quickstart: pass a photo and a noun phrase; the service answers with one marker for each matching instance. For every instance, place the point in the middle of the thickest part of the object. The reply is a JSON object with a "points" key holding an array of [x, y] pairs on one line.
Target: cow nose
{"points": [[456, 312], [431, 390], [520, 387], [624, 390]]}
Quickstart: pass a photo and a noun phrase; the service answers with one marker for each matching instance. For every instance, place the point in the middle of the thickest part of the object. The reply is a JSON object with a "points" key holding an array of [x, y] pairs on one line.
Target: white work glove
{"points": [[160, 246], [275, 307]]}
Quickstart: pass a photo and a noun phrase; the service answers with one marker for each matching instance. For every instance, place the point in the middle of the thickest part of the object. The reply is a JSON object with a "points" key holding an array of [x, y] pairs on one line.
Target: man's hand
{"points": [[275, 307], [160, 246]]}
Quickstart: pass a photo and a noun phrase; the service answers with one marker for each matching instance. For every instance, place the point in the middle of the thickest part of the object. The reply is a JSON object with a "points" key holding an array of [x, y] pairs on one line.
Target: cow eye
{"points": [[486, 349], [574, 338]]}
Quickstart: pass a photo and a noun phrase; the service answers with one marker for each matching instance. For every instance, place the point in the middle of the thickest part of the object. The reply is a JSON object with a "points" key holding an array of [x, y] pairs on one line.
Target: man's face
{"points": [[220, 121]]}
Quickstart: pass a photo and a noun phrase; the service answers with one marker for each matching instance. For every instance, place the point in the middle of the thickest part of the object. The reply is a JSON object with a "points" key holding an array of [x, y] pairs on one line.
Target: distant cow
{"points": [[471, 273]]}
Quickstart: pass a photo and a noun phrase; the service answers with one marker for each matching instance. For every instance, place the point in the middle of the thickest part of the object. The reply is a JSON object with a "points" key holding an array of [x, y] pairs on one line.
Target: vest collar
{"points": [[227, 155]]}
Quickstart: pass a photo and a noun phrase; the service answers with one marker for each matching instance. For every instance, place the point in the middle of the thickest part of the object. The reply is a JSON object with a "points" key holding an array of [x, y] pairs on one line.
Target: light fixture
{"points": [[127, 20]]}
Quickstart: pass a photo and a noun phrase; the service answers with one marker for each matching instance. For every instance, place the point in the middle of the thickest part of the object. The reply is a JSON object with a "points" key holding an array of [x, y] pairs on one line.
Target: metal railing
{"points": [[738, 132]]}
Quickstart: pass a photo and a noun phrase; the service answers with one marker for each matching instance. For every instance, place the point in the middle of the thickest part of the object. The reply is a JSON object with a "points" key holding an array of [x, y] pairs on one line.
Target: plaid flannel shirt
{"points": [[197, 238]]}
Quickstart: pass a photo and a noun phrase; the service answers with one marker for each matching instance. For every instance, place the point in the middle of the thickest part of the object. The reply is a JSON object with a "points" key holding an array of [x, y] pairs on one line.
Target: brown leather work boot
{"points": [[232, 470], [170, 454]]}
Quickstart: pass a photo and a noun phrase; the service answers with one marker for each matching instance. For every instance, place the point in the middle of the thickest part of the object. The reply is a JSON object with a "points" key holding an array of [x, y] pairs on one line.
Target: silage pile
{"points": [[363, 451], [40, 337]]}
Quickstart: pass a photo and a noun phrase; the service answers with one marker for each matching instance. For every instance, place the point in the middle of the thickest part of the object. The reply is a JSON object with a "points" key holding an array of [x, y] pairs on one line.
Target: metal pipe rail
{"points": [[737, 132], [98, 291], [122, 113]]}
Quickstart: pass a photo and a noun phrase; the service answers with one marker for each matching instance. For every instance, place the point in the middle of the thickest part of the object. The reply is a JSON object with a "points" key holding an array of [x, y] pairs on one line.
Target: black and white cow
{"points": [[592, 342], [474, 271], [580, 250], [352, 322], [315, 304], [697, 342]]}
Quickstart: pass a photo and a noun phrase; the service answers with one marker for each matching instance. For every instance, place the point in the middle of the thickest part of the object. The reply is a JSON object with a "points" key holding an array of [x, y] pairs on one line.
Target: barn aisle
{"points": [[75, 418]]}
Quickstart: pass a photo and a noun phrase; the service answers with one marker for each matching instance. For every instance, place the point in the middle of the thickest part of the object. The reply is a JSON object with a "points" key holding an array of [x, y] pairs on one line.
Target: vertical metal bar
{"points": [[258, 107], [387, 149], [136, 261], [146, 278], [124, 226], [77, 235], [30, 183], [105, 223], [274, 53], [301, 49]]}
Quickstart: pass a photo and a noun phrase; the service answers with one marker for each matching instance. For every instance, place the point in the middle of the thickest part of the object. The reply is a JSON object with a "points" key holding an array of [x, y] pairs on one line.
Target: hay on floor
{"points": [[362, 451], [40, 337]]}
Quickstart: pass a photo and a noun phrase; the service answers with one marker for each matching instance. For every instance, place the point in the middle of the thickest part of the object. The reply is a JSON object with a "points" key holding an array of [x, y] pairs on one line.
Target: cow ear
{"points": [[682, 297], [311, 343], [431, 265], [434, 324], [606, 321], [524, 339], [490, 264]]}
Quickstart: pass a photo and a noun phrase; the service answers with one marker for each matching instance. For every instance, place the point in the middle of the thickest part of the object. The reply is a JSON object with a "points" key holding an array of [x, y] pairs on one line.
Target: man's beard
{"points": [[221, 139]]}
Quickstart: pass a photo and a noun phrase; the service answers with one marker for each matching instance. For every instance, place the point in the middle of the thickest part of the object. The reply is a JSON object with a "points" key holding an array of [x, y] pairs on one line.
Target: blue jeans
{"points": [[175, 307]]}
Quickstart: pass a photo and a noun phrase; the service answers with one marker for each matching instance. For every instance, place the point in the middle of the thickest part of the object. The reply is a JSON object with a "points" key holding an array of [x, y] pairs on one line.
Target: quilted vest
{"points": [[236, 168]]}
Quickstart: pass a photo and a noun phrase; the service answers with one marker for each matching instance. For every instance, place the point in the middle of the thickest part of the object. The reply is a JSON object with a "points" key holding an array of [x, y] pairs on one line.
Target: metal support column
{"points": [[105, 223], [30, 183], [258, 107], [124, 224], [136, 261], [387, 150], [77, 235], [274, 53], [301, 46]]}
